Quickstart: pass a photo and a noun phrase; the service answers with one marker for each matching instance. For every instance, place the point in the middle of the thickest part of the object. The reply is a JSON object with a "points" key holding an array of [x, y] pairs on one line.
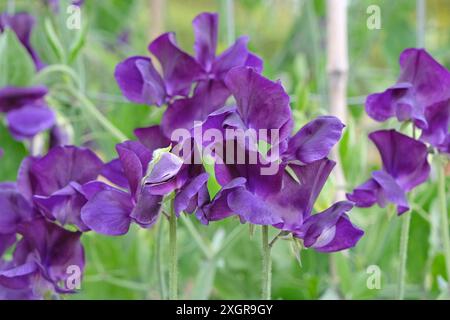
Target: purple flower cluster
{"points": [[421, 96], [40, 255], [70, 188], [196, 91]]}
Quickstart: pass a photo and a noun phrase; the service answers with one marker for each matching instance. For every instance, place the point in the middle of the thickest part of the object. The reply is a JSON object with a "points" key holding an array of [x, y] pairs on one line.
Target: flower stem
{"points": [[403, 255], [444, 217], [93, 111], [173, 261], [266, 265], [159, 262]]}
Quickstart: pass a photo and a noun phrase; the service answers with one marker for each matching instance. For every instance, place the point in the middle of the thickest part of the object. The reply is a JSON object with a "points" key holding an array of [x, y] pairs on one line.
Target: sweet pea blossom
{"points": [[27, 113], [22, 24], [111, 208], [42, 255], [284, 199], [141, 83], [405, 166], [421, 95], [54, 182]]}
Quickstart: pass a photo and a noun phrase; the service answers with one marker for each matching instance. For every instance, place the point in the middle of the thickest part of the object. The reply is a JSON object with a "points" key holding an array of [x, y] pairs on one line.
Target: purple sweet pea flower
{"points": [[27, 114], [421, 94], [43, 254], [111, 209], [437, 133], [54, 182], [405, 166], [22, 24], [171, 173], [284, 199], [15, 209], [42, 261], [141, 83]]}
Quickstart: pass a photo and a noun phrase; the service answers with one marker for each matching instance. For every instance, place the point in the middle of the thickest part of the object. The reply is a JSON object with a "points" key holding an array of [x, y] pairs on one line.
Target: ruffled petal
{"points": [[294, 202], [438, 119], [409, 171], [234, 56], [113, 171], [15, 209], [152, 137], [208, 97], [108, 212], [390, 191], [140, 82], [134, 157], [315, 140], [64, 206], [147, 209], [54, 249], [26, 122], [205, 32], [219, 209], [330, 230], [180, 69], [12, 98], [193, 195], [261, 103]]}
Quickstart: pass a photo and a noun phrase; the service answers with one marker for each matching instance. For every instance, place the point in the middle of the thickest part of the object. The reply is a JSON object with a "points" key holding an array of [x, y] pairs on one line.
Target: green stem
{"points": [[57, 68], [159, 262], [173, 262], [266, 265], [92, 109], [444, 217], [403, 254]]}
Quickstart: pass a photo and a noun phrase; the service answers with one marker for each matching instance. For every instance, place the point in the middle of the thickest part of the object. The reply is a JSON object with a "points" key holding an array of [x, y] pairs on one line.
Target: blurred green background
{"points": [[222, 261]]}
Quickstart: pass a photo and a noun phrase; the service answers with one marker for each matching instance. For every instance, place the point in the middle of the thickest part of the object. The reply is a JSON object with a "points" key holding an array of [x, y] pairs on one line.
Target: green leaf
{"points": [[16, 66], [14, 153], [54, 41], [78, 43]]}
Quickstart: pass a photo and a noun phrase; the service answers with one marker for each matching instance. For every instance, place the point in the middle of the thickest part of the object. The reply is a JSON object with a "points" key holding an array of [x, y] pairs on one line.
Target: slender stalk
{"points": [[93, 111], [404, 238], [229, 16], [421, 12], [173, 259], [159, 262], [266, 265], [444, 217], [337, 69]]}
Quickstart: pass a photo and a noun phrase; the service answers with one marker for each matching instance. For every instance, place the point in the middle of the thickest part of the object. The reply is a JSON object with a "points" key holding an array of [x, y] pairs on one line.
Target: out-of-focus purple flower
{"points": [[43, 254], [22, 25], [27, 114], [43, 260], [405, 166], [54, 182], [54, 4], [14, 209], [421, 94]]}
